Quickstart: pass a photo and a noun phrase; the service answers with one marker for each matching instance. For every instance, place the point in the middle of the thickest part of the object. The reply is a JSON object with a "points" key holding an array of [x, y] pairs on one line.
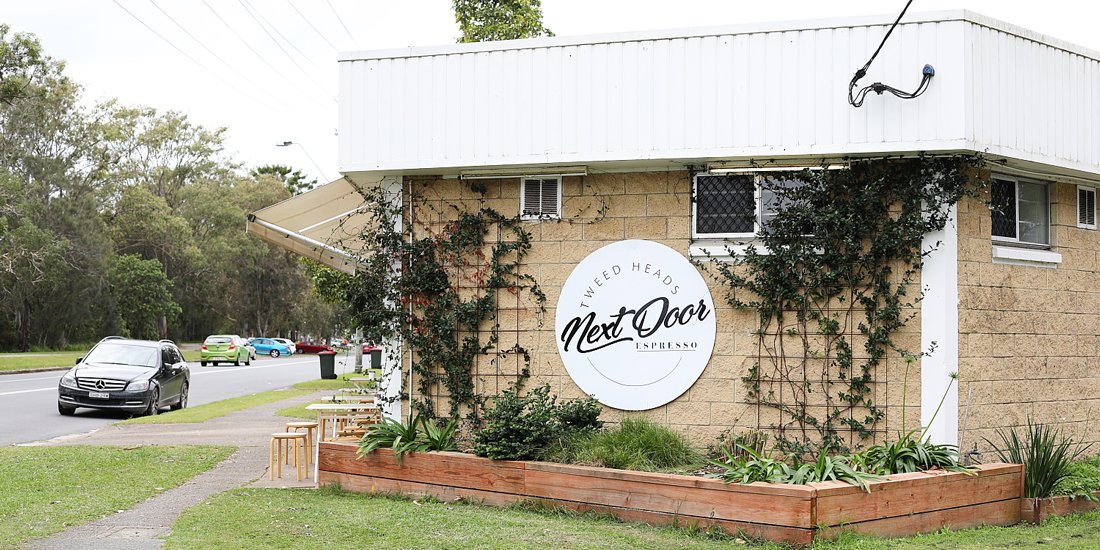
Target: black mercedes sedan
{"points": [[137, 376]]}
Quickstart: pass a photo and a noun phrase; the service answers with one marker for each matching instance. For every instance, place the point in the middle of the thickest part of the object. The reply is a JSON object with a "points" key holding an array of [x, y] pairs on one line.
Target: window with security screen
{"points": [[1086, 208], [540, 198], [739, 205], [1020, 212]]}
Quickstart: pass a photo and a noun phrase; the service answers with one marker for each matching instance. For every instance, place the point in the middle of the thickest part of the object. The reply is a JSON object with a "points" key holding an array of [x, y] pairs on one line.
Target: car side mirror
{"points": [[78, 360]]}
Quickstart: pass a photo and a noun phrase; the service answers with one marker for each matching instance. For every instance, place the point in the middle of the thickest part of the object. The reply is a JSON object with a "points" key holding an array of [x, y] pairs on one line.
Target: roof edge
{"points": [[718, 30]]}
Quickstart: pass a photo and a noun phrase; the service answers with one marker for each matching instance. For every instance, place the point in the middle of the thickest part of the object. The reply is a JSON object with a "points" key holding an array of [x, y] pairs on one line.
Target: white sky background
{"points": [[267, 98]]}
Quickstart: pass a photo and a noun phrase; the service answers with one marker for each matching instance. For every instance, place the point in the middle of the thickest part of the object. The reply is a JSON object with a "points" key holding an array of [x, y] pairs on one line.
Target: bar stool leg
{"points": [[279, 465], [271, 459], [298, 448]]}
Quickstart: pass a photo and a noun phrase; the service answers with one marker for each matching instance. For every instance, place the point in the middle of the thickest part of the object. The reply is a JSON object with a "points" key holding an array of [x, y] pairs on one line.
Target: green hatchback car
{"points": [[225, 348]]}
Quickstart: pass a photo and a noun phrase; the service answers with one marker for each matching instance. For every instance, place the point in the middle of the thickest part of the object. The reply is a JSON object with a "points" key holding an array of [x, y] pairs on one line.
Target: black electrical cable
{"points": [[856, 99]]}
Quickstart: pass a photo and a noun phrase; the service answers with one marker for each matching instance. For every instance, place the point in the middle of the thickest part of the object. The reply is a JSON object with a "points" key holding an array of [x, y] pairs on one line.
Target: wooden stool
{"points": [[285, 442], [310, 428]]}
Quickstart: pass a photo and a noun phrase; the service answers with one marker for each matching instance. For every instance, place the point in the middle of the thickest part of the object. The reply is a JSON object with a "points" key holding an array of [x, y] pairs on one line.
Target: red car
{"points": [[302, 347]]}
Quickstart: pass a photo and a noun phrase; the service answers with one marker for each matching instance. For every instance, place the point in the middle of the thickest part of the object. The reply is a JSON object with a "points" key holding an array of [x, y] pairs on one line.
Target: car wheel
{"points": [[274, 353], [299, 351], [65, 411], [237, 361], [203, 363], [153, 404], [182, 403]]}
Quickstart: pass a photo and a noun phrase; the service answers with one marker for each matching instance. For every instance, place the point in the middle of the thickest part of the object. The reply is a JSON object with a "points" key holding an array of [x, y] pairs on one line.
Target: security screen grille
{"points": [[1003, 208], [725, 204]]}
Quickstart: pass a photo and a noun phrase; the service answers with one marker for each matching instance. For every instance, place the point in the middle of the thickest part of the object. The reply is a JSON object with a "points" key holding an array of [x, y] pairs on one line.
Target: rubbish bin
{"points": [[376, 359], [328, 364]]}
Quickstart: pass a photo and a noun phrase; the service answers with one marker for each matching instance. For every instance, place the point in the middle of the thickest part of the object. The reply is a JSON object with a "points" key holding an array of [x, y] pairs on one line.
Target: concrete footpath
{"points": [[144, 526]]}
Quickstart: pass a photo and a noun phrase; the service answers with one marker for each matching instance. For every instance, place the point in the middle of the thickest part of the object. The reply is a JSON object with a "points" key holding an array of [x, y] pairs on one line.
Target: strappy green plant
{"points": [[1045, 452]]}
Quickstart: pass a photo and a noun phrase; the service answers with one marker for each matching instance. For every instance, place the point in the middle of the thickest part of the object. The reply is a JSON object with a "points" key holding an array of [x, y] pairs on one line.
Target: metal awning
{"points": [[323, 224]]}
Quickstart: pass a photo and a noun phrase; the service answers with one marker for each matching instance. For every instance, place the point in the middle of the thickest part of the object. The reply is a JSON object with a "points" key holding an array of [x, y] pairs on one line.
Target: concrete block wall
{"points": [[597, 210], [1029, 337]]}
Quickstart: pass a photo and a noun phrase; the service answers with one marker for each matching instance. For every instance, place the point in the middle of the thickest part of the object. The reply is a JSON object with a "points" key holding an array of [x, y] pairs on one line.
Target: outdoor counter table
{"points": [[329, 411]]}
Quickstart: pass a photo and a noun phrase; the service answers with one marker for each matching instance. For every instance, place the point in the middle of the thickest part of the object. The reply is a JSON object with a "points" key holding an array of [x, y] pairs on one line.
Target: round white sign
{"points": [[635, 325]]}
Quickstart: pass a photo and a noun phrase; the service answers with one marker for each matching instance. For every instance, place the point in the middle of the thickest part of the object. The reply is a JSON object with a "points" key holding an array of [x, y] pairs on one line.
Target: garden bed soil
{"points": [[1037, 510], [899, 505]]}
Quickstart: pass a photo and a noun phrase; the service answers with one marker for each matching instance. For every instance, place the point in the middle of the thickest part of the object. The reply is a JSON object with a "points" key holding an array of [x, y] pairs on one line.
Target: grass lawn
{"points": [[338, 383], [202, 413], [43, 360], [281, 518], [43, 490], [299, 411], [56, 359]]}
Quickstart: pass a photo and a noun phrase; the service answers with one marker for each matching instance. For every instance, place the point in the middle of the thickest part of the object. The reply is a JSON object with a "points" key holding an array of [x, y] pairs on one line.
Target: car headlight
{"points": [[69, 380], [138, 385]]}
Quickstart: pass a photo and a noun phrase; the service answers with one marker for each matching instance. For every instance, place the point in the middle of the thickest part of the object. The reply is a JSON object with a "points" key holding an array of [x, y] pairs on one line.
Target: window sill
{"points": [[722, 250], [1012, 255]]}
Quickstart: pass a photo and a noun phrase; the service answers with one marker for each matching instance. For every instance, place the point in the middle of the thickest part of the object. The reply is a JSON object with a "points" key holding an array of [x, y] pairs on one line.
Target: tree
{"points": [[485, 20], [22, 65], [294, 180], [142, 294]]}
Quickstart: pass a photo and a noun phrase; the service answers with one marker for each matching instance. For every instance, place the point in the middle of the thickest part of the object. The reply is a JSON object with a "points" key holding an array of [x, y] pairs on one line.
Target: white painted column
{"points": [[939, 322], [392, 352]]}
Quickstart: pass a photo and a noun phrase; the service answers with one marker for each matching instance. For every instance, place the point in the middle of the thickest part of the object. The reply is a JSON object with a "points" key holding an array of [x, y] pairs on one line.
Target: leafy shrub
{"points": [[1047, 456], [519, 427], [580, 415], [635, 444], [1083, 479]]}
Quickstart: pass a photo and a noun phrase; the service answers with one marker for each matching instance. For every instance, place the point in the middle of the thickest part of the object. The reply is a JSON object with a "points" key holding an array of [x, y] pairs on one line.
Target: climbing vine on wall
{"points": [[434, 281], [831, 280]]}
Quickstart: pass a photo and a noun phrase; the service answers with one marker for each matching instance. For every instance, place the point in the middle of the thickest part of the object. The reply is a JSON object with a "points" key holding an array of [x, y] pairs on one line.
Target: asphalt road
{"points": [[28, 402]]}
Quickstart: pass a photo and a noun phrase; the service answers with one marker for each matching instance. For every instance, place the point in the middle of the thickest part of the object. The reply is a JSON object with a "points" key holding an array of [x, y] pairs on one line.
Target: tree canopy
{"points": [[118, 219], [485, 20]]}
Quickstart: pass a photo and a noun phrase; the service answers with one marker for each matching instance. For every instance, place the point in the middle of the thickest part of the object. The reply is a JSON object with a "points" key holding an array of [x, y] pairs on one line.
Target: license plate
{"points": [[218, 358], [99, 395]]}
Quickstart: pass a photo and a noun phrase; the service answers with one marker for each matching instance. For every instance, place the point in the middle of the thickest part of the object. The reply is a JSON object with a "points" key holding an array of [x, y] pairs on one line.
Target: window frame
{"points": [[1077, 211], [1015, 241], [523, 199], [758, 209]]}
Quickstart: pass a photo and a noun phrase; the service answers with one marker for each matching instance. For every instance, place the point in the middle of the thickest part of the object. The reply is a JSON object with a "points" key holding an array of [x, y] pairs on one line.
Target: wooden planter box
{"points": [[902, 504], [1037, 510]]}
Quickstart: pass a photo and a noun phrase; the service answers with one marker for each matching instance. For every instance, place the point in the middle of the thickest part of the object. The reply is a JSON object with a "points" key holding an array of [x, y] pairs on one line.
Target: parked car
{"points": [[268, 346], [304, 347], [289, 344], [138, 376], [225, 348]]}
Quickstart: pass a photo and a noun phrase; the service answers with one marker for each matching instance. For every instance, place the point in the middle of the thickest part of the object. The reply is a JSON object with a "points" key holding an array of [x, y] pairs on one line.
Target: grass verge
{"points": [[202, 413], [37, 361], [340, 382], [43, 490], [299, 411], [246, 518], [56, 359]]}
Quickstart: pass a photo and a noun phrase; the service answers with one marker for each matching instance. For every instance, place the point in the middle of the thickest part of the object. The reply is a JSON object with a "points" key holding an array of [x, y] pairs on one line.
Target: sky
{"points": [[266, 70]]}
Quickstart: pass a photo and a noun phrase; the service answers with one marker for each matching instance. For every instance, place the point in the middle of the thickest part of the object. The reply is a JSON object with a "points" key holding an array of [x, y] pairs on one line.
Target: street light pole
{"points": [[320, 172]]}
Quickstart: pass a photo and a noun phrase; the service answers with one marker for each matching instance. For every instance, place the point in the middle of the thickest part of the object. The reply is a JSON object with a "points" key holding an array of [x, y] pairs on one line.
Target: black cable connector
{"points": [[856, 98]]}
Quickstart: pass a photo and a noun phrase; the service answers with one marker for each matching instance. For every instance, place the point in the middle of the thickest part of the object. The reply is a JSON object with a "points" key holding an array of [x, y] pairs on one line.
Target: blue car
{"points": [[269, 346]]}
